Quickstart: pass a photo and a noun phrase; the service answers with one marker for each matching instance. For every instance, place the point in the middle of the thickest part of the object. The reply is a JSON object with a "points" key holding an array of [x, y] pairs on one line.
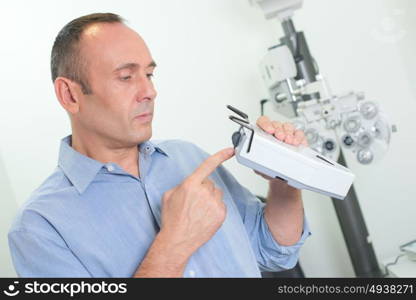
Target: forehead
{"points": [[107, 45]]}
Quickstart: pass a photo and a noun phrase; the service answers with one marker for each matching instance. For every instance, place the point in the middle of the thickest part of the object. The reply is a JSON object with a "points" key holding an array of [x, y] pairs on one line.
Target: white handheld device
{"points": [[301, 167]]}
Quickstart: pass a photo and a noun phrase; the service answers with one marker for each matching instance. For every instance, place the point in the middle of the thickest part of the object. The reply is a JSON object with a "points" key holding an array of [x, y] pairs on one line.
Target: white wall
{"points": [[207, 53], [7, 212], [360, 45]]}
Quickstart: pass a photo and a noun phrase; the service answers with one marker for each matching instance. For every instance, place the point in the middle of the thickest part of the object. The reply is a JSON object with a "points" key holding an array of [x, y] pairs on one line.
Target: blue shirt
{"points": [[90, 219]]}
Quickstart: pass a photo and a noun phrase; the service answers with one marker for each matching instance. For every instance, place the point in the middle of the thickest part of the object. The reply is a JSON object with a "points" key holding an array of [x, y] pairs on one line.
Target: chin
{"points": [[144, 135]]}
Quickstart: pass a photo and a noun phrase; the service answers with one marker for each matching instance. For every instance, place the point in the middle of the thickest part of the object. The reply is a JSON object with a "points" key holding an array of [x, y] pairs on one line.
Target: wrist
{"points": [[174, 247], [279, 185], [279, 189], [163, 259]]}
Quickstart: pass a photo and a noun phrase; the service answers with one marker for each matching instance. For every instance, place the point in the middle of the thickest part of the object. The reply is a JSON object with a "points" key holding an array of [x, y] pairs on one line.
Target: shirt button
{"points": [[110, 168], [192, 273]]}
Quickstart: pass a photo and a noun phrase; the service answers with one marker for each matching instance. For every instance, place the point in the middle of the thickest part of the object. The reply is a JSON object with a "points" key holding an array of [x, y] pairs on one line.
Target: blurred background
{"points": [[208, 54]]}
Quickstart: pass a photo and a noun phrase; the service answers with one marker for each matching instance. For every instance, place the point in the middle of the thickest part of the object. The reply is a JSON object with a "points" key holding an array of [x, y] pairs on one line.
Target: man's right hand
{"points": [[191, 214], [193, 211]]}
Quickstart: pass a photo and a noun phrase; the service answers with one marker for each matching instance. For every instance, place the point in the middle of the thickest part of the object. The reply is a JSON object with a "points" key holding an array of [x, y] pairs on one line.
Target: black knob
{"points": [[236, 138]]}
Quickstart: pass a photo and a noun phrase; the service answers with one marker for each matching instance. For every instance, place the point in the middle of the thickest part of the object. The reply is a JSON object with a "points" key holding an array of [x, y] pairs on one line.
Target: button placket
{"points": [[144, 162]]}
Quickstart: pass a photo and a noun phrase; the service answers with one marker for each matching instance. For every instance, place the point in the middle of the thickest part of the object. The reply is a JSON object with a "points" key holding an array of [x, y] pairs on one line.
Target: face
{"points": [[119, 68]]}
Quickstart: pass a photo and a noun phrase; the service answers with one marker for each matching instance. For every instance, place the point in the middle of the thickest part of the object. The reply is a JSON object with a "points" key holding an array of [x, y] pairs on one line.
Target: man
{"points": [[119, 205]]}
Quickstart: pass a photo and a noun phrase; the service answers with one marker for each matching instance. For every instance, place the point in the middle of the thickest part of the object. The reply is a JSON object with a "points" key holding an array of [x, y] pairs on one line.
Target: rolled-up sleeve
{"points": [[271, 256], [38, 255]]}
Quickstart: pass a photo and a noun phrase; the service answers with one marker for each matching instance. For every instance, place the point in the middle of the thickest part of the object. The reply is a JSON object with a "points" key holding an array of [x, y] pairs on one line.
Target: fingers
{"points": [[299, 138], [278, 130], [289, 131], [210, 164], [218, 192], [288, 128], [218, 195], [209, 185], [285, 132], [264, 123]]}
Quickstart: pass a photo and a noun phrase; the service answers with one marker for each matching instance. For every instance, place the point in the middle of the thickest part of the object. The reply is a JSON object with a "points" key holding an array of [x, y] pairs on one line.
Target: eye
{"points": [[150, 75], [125, 78]]}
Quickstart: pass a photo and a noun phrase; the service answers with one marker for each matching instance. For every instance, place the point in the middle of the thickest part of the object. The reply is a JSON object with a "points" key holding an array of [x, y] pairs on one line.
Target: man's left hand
{"points": [[284, 132]]}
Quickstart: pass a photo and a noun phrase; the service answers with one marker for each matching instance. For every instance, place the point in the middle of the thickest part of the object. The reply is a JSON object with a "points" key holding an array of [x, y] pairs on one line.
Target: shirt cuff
{"points": [[279, 250]]}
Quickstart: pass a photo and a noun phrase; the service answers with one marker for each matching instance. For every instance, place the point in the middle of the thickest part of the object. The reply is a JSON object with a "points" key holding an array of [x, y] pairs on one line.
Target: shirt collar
{"points": [[81, 169], [147, 148]]}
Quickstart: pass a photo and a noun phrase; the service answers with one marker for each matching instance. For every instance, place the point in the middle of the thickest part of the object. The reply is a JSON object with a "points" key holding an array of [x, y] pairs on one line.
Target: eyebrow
{"points": [[133, 66]]}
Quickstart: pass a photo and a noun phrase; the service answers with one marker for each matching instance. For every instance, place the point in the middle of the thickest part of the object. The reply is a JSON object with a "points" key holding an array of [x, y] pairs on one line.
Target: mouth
{"points": [[144, 117]]}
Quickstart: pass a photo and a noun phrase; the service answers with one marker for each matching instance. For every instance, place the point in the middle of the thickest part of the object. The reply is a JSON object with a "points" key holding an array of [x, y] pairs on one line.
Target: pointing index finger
{"points": [[211, 163]]}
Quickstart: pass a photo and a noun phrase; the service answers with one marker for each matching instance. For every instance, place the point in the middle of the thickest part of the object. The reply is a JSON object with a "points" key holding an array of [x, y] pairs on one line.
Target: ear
{"points": [[68, 94]]}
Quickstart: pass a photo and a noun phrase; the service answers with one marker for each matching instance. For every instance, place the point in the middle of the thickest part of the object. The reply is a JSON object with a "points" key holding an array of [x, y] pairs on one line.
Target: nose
{"points": [[146, 89]]}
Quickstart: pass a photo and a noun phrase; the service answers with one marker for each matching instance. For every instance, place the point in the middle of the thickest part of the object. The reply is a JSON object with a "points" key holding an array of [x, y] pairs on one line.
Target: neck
{"points": [[103, 151]]}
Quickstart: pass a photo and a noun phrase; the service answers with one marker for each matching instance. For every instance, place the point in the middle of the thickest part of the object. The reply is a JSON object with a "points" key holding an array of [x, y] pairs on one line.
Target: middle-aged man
{"points": [[118, 205]]}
